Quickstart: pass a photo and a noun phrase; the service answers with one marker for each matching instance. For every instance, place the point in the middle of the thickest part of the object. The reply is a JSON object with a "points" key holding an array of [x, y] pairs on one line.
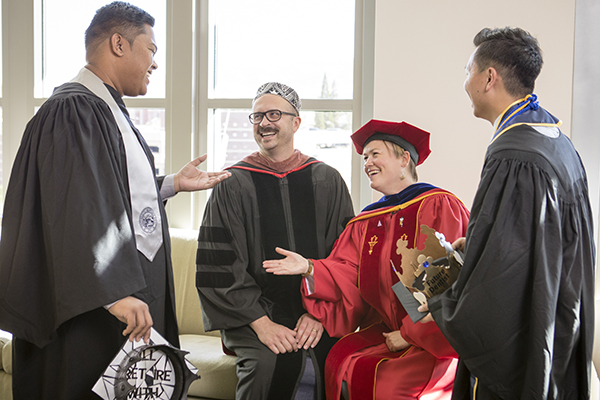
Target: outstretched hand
{"points": [[292, 264], [190, 178]]}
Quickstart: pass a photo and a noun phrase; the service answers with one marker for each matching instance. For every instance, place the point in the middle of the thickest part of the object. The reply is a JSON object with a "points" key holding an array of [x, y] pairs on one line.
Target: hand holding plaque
{"points": [[425, 273], [153, 371]]}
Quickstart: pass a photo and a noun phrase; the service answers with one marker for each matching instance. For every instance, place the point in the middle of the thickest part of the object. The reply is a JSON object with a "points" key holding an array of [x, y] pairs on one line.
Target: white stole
{"points": [[142, 184]]}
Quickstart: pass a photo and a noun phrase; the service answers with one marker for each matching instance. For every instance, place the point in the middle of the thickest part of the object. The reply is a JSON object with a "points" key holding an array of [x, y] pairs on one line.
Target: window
{"points": [[55, 64], [58, 60], [323, 135], [270, 40], [210, 64], [301, 44]]}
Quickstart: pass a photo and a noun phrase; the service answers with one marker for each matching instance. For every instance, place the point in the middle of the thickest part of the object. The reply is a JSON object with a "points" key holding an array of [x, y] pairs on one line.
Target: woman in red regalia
{"points": [[389, 357]]}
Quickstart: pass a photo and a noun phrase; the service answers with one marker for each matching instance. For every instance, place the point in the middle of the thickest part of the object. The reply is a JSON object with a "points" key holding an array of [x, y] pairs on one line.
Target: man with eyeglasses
{"points": [[276, 197]]}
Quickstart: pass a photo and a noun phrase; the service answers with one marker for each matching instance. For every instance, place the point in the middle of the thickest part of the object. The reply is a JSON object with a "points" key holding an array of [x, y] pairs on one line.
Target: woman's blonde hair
{"points": [[399, 152]]}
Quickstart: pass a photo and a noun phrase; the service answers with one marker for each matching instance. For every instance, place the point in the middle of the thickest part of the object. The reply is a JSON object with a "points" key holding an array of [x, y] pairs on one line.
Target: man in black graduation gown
{"points": [[276, 197], [521, 314], [85, 252]]}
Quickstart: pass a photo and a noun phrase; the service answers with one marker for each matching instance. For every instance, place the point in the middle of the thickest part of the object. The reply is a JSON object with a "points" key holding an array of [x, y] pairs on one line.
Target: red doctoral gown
{"points": [[353, 288]]}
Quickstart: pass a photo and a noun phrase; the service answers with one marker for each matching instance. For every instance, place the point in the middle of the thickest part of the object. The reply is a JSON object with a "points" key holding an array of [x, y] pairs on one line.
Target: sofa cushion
{"points": [[184, 243], [5, 386], [217, 370], [5, 367]]}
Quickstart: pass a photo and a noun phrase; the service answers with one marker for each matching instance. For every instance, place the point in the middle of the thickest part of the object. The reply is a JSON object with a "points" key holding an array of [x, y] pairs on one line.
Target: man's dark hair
{"points": [[117, 17], [514, 53]]}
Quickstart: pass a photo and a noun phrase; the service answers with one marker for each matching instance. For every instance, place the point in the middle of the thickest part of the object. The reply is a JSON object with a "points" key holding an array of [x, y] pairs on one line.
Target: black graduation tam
{"points": [[407, 136]]}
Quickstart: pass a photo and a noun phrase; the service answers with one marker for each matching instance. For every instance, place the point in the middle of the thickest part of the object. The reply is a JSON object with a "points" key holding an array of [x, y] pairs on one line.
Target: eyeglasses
{"points": [[272, 116]]}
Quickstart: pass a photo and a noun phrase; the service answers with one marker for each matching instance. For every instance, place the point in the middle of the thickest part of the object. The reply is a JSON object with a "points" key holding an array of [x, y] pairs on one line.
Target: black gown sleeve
{"points": [[229, 294]]}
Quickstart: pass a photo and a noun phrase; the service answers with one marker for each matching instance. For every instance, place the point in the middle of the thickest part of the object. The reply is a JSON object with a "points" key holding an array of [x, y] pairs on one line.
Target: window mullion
{"points": [[18, 74], [200, 103], [307, 104], [179, 95]]}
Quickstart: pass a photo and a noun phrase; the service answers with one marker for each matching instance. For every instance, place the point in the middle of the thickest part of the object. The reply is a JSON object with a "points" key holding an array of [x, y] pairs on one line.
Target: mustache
{"points": [[268, 129]]}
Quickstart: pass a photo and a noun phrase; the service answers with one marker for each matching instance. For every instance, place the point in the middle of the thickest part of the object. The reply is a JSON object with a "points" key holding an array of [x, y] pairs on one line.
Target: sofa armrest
{"points": [[6, 359]]}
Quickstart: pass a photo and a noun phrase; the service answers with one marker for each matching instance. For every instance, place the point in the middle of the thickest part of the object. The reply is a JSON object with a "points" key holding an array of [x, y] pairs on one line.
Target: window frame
{"points": [[186, 101], [361, 105]]}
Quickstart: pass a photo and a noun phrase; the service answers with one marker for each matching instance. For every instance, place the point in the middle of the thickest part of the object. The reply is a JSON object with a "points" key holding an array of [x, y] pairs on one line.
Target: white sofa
{"points": [[217, 370]]}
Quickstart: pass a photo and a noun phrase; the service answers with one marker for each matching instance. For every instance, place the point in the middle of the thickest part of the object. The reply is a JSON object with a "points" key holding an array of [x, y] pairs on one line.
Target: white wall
{"points": [[586, 103], [421, 49]]}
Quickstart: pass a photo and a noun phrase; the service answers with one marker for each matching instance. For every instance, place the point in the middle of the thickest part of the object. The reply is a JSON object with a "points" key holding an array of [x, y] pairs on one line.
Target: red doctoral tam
{"points": [[407, 136]]}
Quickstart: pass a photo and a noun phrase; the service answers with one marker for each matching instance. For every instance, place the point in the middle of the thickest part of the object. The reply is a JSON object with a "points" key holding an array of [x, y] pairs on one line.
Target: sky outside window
{"points": [[298, 43]]}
